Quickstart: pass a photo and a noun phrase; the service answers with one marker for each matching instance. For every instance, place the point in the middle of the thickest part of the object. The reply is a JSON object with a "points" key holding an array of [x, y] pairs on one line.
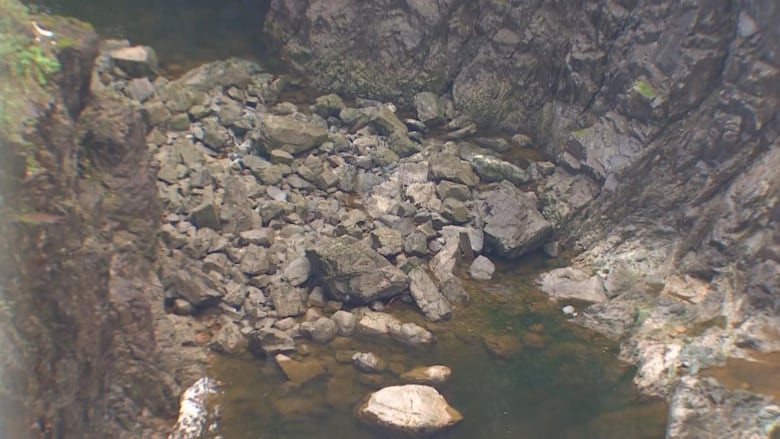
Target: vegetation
{"points": [[26, 65], [644, 88]]}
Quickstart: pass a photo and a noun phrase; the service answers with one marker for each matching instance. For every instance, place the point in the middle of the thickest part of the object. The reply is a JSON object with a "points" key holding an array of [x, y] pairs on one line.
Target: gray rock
{"points": [[513, 226], [197, 288], [427, 296], [329, 105], [136, 61], [401, 144], [206, 214], [353, 272], [448, 189], [384, 120], [140, 89], [273, 341], [368, 362], [294, 133], [387, 241], [449, 167], [255, 261], [373, 323], [475, 236], [297, 272], [410, 334], [411, 409], [455, 211], [321, 330], [701, 407], [260, 237], [345, 322], [430, 108], [571, 283], [288, 301], [482, 269], [416, 244], [229, 339], [492, 169]]}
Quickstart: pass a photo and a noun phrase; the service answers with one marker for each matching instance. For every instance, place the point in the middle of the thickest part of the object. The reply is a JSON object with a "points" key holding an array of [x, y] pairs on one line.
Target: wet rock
{"points": [[302, 371], [571, 283], [368, 362], [513, 226], [273, 341], [410, 334], [196, 415], [430, 375], [410, 408], [294, 133], [136, 61], [427, 296], [353, 272], [701, 407], [482, 268], [373, 322], [321, 330], [345, 322]]}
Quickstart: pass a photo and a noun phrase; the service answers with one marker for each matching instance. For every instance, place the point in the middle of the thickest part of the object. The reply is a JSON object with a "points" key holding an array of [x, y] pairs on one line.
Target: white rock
{"points": [[194, 417], [410, 408], [568, 310], [482, 268]]}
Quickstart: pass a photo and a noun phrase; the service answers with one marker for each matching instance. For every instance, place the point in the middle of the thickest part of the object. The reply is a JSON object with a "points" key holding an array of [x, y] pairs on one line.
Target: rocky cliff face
{"points": [[669, 109], [80, 301]]}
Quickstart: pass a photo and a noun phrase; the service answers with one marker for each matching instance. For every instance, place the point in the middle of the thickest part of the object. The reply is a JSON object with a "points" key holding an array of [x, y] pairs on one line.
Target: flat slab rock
{"points": [[571, 283], [411, 408]]}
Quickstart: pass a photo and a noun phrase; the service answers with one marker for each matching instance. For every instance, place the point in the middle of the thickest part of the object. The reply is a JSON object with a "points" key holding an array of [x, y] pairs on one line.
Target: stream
{"points": [[519, 370]]}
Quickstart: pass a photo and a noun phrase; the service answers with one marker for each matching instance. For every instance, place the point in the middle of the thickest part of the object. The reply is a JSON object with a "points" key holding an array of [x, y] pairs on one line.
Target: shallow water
{"points": [[572, 387]]}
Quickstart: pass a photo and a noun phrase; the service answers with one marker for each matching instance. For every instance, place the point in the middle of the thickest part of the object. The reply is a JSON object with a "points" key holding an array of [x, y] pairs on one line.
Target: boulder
{"points": [[136, 61], [482, 268], [572, 283], [298, 271], [345, 322], [446, 166], [273, 341], [295, 133], [353, 272], [321, 330], [430, 108], [411, 409], [428, 297], [513, 225], [368, 362]]}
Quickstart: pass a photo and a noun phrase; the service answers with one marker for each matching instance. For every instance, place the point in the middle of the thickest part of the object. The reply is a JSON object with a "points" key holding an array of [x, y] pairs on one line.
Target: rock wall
{"points": [[81, 303], [666, 111]]}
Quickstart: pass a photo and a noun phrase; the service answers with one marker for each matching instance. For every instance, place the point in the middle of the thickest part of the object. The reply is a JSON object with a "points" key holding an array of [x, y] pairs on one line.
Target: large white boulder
{"points": [[411, 408]]}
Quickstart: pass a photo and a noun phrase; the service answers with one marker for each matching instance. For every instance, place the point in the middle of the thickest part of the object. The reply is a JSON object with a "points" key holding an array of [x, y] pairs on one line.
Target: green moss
{"points": [[644, 88], [579, 133], [65, 42]]}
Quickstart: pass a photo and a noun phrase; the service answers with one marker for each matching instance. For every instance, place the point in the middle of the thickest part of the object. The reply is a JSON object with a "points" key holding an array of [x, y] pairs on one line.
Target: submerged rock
{"points": [[431, 375], [410, 408]]}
